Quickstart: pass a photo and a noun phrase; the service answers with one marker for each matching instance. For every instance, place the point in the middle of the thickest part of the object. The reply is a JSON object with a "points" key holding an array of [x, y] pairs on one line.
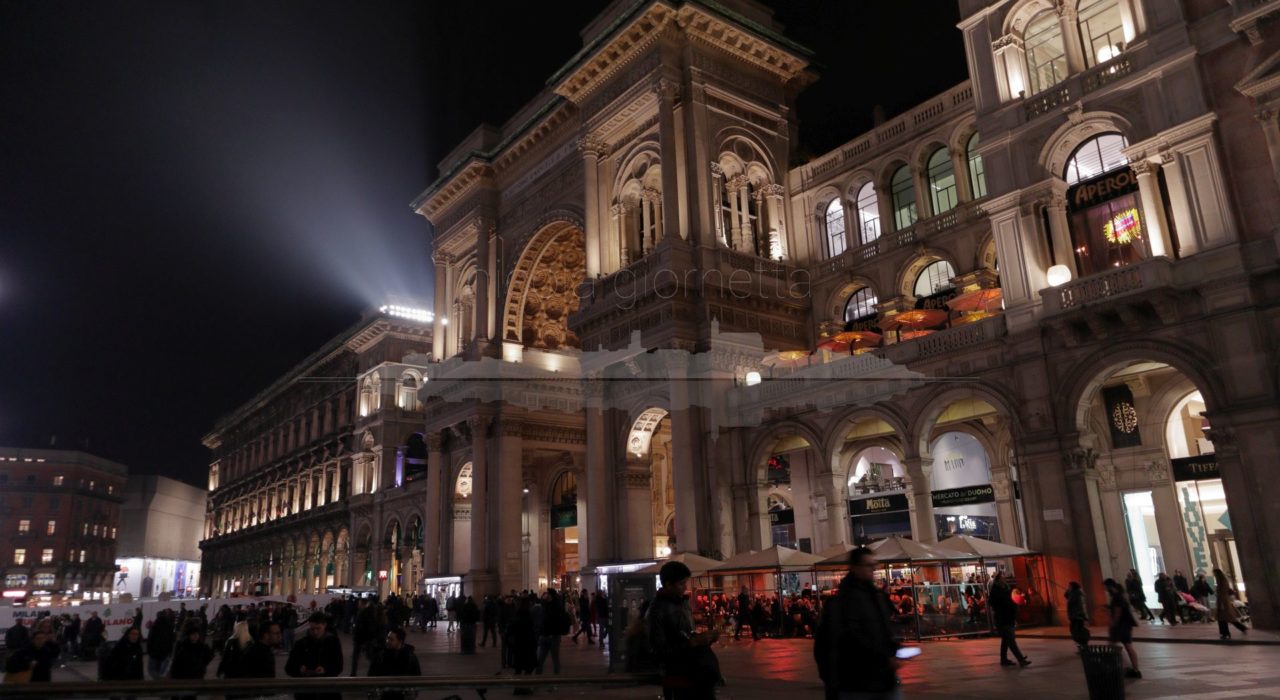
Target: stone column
{"points": [[620, 219], [636, 518], [920, 469], [1269, 120], [717, 203], [437, 492], [1060, 233], [1157, 228], [596, 540], [1173, 538], [450, 333], [1072, 40], [1006, 509], [884, 202], [686, 441], [440, 304], [481, 574], [592, 149], [668, 91], [1010, 62], [480, 325], [773, 213], [509, 497]]}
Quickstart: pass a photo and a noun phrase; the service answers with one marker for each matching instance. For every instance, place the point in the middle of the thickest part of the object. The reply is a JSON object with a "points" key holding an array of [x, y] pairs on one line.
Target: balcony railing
{"points": [[1110, 285], [889, 242], [1078, 85]]}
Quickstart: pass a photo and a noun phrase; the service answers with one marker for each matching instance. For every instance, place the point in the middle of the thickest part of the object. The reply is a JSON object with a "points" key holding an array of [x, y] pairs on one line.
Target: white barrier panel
{"points": [[118, 617]]}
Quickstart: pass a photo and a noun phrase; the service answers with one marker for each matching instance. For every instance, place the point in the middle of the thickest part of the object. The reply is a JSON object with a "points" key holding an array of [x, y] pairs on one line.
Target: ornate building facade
{"points": [[336, 440], [1038, 308], [1072, 256]]}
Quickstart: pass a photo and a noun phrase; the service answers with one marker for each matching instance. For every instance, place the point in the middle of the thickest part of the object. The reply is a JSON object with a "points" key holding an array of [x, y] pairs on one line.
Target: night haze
{"points": [[197, 196]]}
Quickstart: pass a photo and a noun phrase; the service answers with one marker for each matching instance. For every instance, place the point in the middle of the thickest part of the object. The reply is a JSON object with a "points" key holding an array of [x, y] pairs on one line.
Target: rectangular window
{"points": [[46, 556], [31, 479], [86, 529], [58, 480], [82, 553], [19, 556], [15, 581], [55, 503], [24, 526], [45, 580], [51, 528], [113, 533], [91, 484]]}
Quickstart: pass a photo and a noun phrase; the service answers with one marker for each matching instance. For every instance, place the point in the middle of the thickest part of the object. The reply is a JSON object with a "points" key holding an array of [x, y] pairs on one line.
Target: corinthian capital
{"points": [[667, 90], [592, 145]]}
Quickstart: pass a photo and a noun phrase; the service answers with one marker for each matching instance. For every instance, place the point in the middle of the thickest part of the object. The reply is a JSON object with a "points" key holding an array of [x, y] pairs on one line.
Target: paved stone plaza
{"points": [[1186, 664]]}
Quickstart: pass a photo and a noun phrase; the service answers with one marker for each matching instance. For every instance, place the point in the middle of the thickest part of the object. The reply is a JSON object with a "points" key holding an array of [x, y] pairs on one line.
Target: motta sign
{"points": [[1195, 468], [1101, 189], [966, 496], [889, 503]]}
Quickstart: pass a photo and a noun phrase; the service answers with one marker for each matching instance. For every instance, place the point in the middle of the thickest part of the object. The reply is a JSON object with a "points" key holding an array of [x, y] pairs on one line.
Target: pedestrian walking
{"points": [[468, 616], [1077, 615], [1137, 597], [522, 641], [489, 620], [555, 622], [600, 611], [1122, 622], [31, 660], [124, 661], [584, 617], [396, 659], [160, 642], [1167, 596], [853, 644], [1226, 610], [191, 656], [318, 654], [1005, 612], [690, 669]]}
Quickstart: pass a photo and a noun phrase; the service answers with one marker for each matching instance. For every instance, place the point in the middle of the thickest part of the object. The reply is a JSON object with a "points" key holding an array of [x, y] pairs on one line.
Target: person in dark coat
{"points": [[395, 659], [584, 618], [160, 641], [191, 656], [124, 661], [1005, 612], [468, 616], [690, 669], [364, 633], [36, 655], [1077, 615], [854, 645], [92, 635], [1122, 622], [1137, 597], [489, 620], [318, 654], [1167, 596], [246, 657]]}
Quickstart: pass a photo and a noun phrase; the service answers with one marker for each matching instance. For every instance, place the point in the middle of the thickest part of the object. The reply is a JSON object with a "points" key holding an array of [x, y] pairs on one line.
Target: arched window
{"points": [[942, 182], [1046, 52], [1101, 30], [868, 214], [409, 393], [835, 228], [934, 278], [1098, 155], [977, 176], [861, 304], [903, 192]]}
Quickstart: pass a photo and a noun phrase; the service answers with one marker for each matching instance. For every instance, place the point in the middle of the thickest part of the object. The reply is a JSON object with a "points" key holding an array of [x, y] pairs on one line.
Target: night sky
{"points": [[195, 196]]}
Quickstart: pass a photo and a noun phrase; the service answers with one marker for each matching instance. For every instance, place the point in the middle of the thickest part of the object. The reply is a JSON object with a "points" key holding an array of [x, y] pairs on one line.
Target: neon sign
{"points": [[1123, 228]]}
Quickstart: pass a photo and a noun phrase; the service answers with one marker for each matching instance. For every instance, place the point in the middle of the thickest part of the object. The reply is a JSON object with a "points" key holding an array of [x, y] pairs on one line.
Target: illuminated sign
{"points": [[1195, 468], [965, 496], [1123, 228], [1101, 189], [889, 503]]}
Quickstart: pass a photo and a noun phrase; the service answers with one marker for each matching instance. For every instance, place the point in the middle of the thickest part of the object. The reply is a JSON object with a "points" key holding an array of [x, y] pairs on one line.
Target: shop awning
{"points": [[698, 564], [896, 550], [773, 559], [984, 549]]}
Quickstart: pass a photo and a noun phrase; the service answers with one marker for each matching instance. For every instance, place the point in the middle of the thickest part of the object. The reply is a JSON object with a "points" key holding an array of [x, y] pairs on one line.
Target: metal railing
{"points": [[463, 686]]}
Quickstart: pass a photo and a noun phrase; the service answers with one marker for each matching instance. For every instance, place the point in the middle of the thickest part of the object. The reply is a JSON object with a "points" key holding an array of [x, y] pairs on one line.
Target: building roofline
{"points": [[20, 455]]}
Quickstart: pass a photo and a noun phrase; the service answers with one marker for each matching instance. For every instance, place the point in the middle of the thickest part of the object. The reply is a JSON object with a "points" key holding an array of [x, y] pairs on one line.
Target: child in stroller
{"points": [[1190, 610]]}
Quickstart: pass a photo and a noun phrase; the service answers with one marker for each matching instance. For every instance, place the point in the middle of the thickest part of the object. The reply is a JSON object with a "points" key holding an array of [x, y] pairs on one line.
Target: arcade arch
{"points": [[649, 487], [460, 544]]}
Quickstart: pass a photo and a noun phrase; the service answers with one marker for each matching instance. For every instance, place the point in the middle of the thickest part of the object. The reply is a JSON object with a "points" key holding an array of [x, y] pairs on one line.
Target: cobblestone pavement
{"points": [[780, 669]]}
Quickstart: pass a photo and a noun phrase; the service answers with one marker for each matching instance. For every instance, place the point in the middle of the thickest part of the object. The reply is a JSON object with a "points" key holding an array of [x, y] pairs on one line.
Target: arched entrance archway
{"points": [[460, 545], [649, 528], [788, 467], [543, 290], [563, 510], [1163, 504]]}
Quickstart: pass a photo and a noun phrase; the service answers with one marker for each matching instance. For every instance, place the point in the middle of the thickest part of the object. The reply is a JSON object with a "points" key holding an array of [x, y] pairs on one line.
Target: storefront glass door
{"points": [[1144, 540]]}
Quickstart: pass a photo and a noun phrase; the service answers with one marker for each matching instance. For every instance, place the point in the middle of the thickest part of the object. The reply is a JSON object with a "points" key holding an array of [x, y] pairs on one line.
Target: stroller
{"points": [[1190, 610]]}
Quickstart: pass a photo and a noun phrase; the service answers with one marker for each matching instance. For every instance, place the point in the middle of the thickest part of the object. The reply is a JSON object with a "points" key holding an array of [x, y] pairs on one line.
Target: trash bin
{"points": [[1103, 672]]}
